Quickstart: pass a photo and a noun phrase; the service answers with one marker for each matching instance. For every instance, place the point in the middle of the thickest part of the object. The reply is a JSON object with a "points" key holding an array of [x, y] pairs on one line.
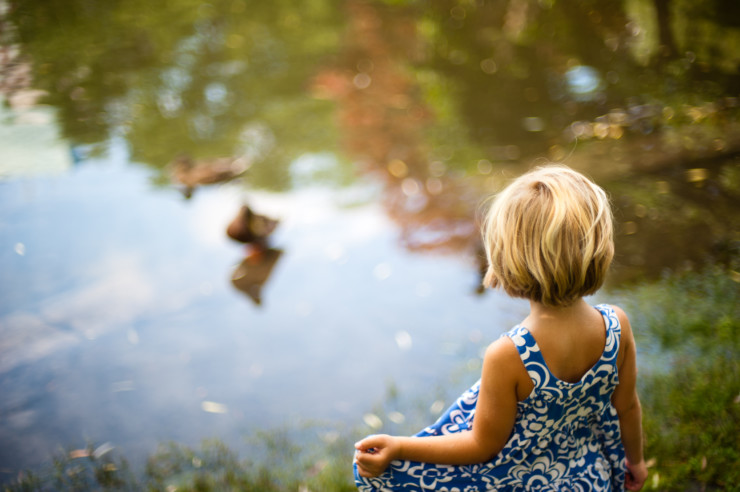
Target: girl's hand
{"points": [[636, 475], [374, 454]]}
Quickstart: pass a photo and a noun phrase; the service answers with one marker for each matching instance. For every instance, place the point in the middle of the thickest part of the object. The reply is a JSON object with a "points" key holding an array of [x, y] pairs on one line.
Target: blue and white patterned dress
{"points": [[566, 435]]}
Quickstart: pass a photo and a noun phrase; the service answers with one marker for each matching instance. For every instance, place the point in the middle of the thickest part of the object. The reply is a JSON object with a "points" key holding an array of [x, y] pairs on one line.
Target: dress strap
{"points": [[613, 333], [529, 351]]}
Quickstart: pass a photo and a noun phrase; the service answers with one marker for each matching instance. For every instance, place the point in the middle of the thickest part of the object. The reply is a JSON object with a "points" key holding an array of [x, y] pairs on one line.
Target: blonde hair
{"points": [[548, 237]]}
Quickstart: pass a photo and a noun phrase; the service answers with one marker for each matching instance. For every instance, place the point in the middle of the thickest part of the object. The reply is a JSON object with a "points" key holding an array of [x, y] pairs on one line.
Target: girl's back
{"points": [[567, 432], [571, 339]]}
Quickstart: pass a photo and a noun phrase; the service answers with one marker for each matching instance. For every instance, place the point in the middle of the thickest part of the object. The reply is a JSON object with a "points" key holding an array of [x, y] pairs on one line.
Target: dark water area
{"points": [[363, 137]]}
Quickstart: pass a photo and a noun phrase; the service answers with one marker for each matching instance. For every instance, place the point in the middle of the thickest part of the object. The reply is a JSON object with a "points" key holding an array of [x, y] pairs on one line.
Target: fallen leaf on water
{"points": [[213, 407], [79, 453], [102, 450]]}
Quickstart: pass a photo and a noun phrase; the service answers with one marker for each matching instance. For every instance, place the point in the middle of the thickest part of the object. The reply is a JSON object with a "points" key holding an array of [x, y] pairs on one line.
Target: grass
{"points": [[687, 327], [281, 465], [691, 399]]}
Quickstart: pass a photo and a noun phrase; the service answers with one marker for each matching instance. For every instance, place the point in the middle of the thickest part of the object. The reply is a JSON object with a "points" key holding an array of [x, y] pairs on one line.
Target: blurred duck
{"points": [[249, 227], [191, 173]]}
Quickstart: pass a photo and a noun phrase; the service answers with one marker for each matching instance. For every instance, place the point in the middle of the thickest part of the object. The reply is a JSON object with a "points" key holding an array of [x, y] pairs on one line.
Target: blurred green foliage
{"points": [[232, 76], [669, 54], [691, 399], [205, 79]]}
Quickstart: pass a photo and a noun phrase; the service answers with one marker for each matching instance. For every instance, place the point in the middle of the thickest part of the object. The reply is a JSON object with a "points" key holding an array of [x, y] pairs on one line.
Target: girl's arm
{"points": [[627, 404], [495, 414]]}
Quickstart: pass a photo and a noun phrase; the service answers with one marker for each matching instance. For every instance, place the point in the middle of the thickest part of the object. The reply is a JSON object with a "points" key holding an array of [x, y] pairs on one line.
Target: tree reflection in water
{"points": [[439, 101], [533, 83], [385, 118]]}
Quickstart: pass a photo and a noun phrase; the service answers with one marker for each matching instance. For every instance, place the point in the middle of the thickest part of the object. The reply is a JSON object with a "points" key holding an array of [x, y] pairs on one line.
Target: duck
{"points": [[192, 173], [250, 227]]}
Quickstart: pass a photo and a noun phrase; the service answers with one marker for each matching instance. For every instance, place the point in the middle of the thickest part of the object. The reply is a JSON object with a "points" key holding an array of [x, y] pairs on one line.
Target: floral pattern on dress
{"points": [[566, 435]]}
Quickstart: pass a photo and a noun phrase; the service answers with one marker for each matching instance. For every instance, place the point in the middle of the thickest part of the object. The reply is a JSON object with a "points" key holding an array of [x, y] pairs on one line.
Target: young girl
{"points": [[556, 406]]}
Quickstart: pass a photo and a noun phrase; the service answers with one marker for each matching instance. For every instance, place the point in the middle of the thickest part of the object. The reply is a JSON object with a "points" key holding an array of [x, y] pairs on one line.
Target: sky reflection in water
{"points": [[120, 322]]}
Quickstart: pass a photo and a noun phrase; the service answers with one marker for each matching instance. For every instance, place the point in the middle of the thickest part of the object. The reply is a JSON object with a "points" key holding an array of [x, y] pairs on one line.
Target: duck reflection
{"points": [[255, 269]]}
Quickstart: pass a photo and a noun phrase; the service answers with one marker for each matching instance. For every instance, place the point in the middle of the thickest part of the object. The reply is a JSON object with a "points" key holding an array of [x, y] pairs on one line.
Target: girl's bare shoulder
{"points": [[504, 370], [502, 350], [503, 357]]}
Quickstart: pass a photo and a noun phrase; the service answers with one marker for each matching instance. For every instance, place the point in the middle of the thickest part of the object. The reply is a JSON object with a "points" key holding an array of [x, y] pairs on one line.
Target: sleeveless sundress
{"points": [[565, 438]]}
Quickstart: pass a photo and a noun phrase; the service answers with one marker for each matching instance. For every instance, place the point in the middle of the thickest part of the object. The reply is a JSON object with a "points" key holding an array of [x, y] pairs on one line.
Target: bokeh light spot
{"points": [[437, 407], [372, 421], [410, 187], [382, 271], [398, 169], [583, 81], [696, 175], [404, 340], [488, 66], [362, 81], [434, 186], [533, 124], [485, 166]]}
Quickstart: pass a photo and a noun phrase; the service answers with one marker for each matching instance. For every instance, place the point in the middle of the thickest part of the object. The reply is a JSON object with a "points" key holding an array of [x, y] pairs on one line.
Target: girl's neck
{"points": [[540, 314]]}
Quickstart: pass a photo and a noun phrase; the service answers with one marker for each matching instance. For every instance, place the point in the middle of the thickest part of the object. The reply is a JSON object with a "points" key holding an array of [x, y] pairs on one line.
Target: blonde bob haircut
{"points": [[548, 237]]}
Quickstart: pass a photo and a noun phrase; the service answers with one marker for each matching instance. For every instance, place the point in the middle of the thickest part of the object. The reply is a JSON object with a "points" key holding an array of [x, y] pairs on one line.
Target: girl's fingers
{"points": [[361, 471], [365, 459], [367, 471], [367, 443], [372, 464]]}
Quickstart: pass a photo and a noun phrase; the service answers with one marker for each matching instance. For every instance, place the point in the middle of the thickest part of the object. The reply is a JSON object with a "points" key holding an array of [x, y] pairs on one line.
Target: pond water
{"points": [[371, 132], [121, 322]]}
